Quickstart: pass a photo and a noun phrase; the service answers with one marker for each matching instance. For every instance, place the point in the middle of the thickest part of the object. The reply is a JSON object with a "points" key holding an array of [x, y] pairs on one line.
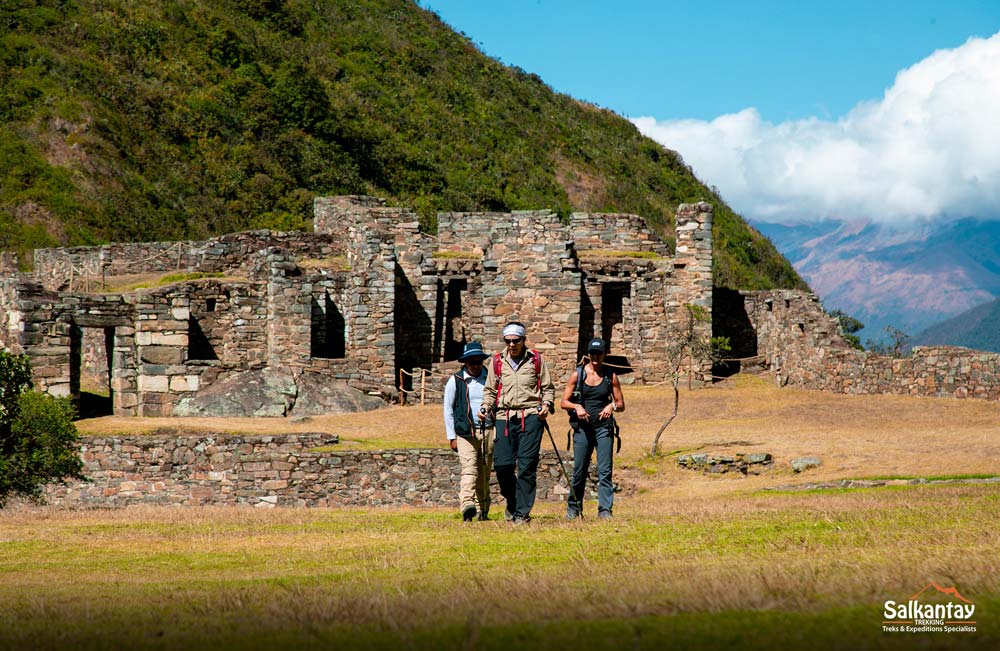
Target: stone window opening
{"points": [[210, 305], [200, 348], [91, 361], [328, 334]]}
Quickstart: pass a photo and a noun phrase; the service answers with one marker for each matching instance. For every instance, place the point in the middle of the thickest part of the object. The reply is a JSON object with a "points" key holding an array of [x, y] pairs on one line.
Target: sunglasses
{"points": [[511, 342]]}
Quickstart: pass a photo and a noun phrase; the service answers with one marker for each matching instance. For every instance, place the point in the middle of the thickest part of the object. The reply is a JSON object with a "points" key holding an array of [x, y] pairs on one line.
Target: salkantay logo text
{"points": [[914, 616]]}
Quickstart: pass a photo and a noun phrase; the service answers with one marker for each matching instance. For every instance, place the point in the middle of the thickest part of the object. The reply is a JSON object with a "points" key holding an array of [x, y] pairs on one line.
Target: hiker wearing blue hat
{"points": [[592, 396], [463, 396]]}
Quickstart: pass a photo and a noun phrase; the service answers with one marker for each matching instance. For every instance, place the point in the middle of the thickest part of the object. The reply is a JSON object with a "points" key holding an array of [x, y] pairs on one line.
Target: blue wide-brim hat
{"points": [[472, 349]]}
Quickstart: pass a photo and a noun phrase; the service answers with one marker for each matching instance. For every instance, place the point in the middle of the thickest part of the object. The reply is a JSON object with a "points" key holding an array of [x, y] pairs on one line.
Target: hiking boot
{"points": [[604, 515], [508, 516], [484, 515], [469, 514], [518, 520], [572, 514]]}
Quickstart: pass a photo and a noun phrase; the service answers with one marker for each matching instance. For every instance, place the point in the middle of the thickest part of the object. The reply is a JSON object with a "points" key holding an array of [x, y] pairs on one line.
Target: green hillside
{"points": [[978, 328], [184, 119]]}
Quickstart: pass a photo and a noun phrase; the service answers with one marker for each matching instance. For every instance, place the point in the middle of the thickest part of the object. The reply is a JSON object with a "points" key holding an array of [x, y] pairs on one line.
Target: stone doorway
{"points": [[455, 291], [616, 303], [329, 330], [91, 361]]}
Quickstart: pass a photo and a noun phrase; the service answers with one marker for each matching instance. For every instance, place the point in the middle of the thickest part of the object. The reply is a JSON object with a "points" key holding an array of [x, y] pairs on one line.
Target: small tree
{"points": [[897, 346], [38, 440], [689, 343], [848, 327]]}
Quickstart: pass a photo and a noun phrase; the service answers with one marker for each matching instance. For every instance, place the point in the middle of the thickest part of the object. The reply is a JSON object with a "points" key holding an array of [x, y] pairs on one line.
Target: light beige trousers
{"points": [[476, 463]]}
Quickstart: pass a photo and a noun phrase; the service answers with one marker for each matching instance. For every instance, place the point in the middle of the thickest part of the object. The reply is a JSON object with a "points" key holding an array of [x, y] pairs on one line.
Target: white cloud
{"points": [[929, 149]]}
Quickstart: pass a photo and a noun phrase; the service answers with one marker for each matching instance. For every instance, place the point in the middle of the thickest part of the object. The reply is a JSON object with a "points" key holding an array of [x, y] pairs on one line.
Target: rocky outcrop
{"points": [[266, 392], [319, 394], [275, 392]]}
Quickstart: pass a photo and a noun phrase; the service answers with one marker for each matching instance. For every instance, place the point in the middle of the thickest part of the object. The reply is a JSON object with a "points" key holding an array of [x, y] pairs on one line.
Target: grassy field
{"points": [[689, 561]]}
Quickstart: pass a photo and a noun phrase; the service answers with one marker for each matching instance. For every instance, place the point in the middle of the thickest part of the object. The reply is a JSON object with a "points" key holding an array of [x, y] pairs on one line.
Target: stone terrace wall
{"points": [[803, 345], [60, 267], [267, 471]]}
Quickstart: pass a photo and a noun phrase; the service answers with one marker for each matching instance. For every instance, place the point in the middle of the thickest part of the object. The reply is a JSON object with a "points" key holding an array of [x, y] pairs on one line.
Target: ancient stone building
{"points": [[362, 297], [789, 334]]}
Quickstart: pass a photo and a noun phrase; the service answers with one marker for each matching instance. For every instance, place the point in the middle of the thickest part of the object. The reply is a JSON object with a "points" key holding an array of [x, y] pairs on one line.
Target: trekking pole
{"points": [[569, 484], [484, 469]]}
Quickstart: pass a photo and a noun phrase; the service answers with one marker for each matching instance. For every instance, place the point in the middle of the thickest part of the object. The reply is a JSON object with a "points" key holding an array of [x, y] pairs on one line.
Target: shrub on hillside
{"points": [[38, 440]]}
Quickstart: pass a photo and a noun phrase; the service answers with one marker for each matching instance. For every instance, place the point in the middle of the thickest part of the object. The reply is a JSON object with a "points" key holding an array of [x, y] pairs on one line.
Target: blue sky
{"points": [[774, 102]]}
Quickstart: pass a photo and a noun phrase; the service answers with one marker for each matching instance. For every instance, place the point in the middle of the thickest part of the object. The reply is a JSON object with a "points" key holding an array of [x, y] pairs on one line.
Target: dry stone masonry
{"points": [[793, 337], [172, 468], [752, 463], [362, 298]]}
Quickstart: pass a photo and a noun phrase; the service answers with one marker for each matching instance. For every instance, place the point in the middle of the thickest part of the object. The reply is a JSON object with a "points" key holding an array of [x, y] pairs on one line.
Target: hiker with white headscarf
{"points": [[519, 392]]}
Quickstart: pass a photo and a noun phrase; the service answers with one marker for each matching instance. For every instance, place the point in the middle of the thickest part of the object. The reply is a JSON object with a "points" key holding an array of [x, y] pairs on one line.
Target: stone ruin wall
{"points": [[615, 231], [361, 303], [79, 268], [484, 269], [803, 346], [268, 471]]}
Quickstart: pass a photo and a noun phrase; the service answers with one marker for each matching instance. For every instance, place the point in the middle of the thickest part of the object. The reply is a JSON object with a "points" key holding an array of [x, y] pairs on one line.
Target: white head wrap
{"points": [[513, 330]]}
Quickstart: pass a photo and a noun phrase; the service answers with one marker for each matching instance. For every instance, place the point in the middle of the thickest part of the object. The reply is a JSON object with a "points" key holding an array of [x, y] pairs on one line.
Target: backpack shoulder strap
{"points": [[498, 372]]}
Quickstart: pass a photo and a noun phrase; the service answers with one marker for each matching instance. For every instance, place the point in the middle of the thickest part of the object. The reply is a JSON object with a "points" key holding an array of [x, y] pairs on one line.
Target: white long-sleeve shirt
{"points": [[476, 385]]}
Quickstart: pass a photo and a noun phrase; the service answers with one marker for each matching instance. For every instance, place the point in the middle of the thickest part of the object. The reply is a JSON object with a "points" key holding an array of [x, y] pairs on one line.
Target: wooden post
{"points": [[423, 384]]}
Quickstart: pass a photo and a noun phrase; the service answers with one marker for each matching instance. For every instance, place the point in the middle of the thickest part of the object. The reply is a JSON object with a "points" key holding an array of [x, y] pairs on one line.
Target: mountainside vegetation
{"points": [[174, 119], [978, 328]]}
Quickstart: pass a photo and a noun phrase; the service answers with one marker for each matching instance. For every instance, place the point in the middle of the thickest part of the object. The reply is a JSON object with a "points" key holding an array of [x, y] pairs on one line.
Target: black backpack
{"points": [[577, 397]]}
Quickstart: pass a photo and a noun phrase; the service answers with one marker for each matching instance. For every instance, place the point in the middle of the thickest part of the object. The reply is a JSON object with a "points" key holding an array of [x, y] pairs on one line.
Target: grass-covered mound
{"points": [[176, 119]]}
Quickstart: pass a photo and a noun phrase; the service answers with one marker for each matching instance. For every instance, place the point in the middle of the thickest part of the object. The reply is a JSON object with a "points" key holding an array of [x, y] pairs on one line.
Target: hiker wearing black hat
{"points": [[520, 393], [463, 397], [592, 396]]}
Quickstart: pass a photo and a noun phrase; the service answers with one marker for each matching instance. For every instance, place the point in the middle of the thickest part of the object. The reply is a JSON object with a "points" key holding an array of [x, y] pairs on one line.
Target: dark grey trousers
{"points": [[520, 445], [585, 439]]}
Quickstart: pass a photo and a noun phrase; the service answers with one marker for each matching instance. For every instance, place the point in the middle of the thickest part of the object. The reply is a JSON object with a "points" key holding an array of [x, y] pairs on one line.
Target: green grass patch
{"points": [[611, 253], [367, 445], [930, 477], [458, 255], [162, 281], [807, 570]]}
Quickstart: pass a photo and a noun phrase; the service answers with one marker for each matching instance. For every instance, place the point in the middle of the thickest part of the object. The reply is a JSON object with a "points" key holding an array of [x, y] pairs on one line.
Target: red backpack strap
{"points": [[538, 370], [497, 371]]}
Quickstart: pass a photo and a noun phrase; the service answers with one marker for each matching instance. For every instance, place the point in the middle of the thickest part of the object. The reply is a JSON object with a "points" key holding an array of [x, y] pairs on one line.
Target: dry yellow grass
{"points": [[237, 573], [855, 436], [689, 556]]}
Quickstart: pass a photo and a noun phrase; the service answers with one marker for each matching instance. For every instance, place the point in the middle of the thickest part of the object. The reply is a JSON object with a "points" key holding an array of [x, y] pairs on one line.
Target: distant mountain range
{"points": [[977, 328], [912, 279]]}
